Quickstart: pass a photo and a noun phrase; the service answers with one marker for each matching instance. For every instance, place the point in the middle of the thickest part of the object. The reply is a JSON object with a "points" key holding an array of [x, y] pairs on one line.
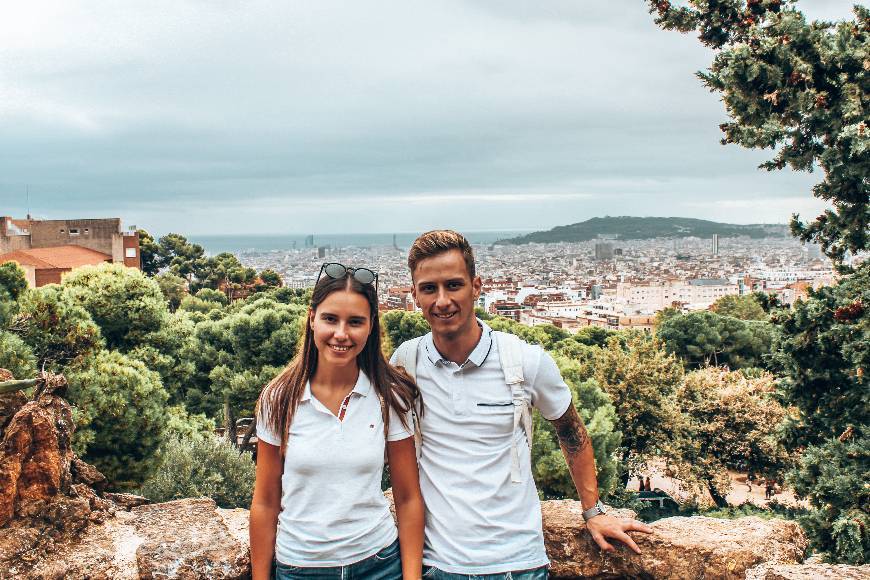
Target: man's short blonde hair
{"points": [[437, 242]]}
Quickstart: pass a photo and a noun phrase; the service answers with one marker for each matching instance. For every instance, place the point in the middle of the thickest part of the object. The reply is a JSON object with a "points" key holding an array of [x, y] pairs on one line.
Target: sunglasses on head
{"points": [[337, 271]]}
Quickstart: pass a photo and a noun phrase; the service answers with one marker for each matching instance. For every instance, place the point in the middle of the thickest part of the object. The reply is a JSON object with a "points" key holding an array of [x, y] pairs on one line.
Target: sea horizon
{"points": [[217, 243]]}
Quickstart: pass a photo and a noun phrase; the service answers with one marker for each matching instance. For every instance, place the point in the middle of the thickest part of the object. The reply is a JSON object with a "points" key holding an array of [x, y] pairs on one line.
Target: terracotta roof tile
{"points": [[57, 257]]}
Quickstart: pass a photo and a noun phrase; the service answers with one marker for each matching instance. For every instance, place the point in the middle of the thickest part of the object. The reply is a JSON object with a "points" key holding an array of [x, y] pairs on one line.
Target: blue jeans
{"points": [[432, 573], [385, 565]]}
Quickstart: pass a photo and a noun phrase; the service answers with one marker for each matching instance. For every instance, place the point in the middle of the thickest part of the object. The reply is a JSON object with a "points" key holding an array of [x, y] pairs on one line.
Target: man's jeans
{"points": [[385, 565], [430, 573]]}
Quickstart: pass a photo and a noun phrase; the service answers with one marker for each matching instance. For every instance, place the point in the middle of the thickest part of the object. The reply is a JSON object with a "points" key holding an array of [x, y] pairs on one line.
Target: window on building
{"points": [[73, 231], [87, 230], [129, 252]]}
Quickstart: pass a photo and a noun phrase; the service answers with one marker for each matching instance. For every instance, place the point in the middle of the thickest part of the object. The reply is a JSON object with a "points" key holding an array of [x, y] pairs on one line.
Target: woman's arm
{"points": [[264, 509], [409, 505]]}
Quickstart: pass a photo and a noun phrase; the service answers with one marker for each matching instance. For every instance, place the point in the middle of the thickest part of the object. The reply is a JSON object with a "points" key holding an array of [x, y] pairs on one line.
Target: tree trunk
{"points": [[719, 500], [230, 423], [624, 475]]}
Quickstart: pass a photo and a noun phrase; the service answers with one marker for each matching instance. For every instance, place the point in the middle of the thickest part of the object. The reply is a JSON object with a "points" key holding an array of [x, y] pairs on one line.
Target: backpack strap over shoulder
{"points": [[406, 359], [406, 356], [510, 354]]}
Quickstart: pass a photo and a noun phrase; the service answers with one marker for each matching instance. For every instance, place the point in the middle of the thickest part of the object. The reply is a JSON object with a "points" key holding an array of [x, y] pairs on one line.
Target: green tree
{"points": [[212, 296], [223, 272], [120, 415], [822, 355], [599, 416], [180, 256], [174, 289], [745, 307], [733, 421], [13, 283], [240, 352], [401, 325], [797, 87], [127, 305], [641, 379], [149, 253], [172, 351], [16, 357], [706, 338], [55, 327], [271, 279]]}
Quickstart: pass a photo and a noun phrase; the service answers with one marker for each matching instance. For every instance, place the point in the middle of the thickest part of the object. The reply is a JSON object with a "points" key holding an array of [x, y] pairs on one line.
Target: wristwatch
{"points": [[596, 510]]}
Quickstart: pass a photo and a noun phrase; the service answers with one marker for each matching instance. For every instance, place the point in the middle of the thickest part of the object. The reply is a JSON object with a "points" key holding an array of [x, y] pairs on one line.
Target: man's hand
{"points": [[604, 526]]}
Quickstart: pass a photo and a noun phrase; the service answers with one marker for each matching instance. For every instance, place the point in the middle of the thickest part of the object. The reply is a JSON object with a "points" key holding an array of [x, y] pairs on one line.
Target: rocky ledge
{"points": [[56, 521]]}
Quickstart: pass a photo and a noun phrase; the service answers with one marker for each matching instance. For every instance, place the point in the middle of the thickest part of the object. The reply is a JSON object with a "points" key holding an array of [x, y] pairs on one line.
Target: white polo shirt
{"points": [[332, 510], [477, 520]]}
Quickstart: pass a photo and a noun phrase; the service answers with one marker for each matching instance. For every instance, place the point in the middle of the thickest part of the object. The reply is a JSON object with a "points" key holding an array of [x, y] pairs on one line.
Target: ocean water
{"points": [[214, 244]]}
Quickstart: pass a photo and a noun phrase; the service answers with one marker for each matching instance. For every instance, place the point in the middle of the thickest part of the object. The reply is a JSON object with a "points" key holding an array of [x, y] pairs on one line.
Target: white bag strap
{"points": [[406, 358], [510, 354]]}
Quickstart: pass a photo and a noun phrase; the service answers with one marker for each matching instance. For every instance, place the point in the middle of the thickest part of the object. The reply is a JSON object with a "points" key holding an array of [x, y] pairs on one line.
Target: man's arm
{"points": [[577, 448]]}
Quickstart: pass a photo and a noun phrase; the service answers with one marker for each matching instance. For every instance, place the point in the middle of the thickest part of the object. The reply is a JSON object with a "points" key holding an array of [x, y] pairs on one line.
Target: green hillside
{"points": [[641, 228]]}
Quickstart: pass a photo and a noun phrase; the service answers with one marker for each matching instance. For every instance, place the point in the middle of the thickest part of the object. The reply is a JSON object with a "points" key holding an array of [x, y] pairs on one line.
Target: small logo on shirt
{"points": [[372, 426]]}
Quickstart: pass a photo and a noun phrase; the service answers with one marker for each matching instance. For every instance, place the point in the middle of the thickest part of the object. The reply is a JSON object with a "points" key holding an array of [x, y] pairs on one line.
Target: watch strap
{"points": [[596, 510]]}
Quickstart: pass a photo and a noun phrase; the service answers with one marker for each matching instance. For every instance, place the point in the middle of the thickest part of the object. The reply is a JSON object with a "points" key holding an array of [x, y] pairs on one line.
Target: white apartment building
{"points": [[696, 294]]}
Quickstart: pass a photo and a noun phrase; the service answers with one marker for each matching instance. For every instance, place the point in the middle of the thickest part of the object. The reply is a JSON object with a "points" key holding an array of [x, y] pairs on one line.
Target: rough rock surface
{"points": [[188, 538], [808, 572], [678, 548], [46, 493], [35, 452]]}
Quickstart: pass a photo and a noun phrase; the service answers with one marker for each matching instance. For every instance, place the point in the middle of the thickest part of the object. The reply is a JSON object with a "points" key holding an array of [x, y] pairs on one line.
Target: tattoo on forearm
{"points": [[571, 433]]}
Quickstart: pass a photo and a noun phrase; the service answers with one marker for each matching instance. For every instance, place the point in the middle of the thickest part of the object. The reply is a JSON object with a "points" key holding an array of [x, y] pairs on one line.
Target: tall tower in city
{"points": [[603, 251], [714, 246]]}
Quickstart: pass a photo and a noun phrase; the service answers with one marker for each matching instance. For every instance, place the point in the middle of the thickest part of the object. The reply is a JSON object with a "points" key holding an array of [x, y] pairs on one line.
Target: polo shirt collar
{"points": [[477, 356], [362, 387]]}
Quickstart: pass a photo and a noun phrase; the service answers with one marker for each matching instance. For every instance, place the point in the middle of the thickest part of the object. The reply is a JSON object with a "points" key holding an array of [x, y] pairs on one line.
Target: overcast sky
{"points": [[333, 116]]}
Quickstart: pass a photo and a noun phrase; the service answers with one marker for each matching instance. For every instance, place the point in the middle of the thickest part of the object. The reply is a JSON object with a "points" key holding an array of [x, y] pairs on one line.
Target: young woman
{"points": [[322, 426]]}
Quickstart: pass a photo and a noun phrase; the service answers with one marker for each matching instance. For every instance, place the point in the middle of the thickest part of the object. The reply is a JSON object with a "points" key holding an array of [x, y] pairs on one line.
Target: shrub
{"points": [[120, 416], [16, 357], [208, 466]]}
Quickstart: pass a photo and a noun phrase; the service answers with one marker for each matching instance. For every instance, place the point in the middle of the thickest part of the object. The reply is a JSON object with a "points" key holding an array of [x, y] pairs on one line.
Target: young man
{"points": [[483, 516]]}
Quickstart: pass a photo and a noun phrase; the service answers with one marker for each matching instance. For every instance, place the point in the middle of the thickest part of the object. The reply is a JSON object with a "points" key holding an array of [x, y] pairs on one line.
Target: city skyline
{"points": [[218, 119]]}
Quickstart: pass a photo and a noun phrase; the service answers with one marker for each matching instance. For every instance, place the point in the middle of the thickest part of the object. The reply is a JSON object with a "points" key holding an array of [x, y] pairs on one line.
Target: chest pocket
{"points": [[494, 419]]}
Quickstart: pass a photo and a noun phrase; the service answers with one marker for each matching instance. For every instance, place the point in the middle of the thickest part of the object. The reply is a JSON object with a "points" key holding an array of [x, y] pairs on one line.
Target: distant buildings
{"points": [[47, 249], [603, 251]]}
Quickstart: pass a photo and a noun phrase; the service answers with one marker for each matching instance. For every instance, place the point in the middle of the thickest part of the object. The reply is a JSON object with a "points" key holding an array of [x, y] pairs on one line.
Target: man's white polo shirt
{"points": [[332, 510], [477, 520]]}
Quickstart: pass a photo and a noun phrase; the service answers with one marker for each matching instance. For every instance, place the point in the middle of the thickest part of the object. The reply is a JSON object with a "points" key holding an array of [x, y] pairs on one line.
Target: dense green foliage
{"points": [[644, 228], [823, 355], [56, 328], [642, 379], [16, 357], [746, 307], [732, 424], [798, 87], [206, 466], [706, 338], [594, 407], [120, 415]]}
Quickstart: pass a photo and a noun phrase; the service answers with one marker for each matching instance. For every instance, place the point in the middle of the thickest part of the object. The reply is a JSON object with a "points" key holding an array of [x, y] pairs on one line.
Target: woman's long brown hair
{"points": [[281, 396]]}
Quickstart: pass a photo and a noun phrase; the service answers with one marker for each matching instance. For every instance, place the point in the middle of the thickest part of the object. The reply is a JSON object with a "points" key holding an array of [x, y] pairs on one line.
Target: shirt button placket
{"points": [[458, 381]]}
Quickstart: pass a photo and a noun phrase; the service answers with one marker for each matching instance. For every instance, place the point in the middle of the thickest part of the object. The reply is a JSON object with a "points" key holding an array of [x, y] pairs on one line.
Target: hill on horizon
{"points": [[642, 228]]}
